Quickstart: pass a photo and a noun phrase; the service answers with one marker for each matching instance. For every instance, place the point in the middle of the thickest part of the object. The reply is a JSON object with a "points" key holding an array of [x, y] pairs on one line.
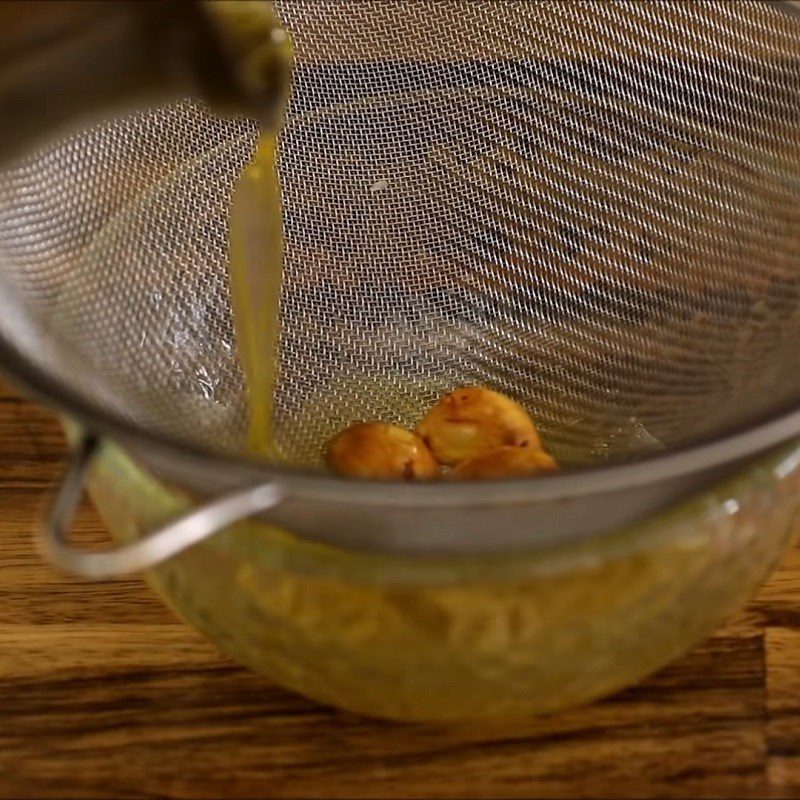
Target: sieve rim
{"points": [[743, 441]]}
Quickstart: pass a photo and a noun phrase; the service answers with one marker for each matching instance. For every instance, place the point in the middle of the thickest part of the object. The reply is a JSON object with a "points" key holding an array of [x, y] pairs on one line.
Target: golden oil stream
{"points": [[256, 266], [263, 53]]}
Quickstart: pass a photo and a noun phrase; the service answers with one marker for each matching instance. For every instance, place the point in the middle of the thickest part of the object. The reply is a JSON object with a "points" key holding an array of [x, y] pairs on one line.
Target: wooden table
{"points": [[104, 694]]}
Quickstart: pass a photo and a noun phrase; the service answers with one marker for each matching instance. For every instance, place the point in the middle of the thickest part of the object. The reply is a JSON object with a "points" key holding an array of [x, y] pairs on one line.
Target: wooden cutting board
{"points": [[104, 694]]}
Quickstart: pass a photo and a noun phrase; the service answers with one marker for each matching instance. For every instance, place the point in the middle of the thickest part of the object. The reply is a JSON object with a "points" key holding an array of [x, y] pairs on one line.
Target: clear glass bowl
{"points": [[459, 638]]}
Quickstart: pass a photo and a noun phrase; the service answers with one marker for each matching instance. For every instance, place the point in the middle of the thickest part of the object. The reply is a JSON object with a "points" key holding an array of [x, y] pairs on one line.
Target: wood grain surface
{"points": [[104, 694]]}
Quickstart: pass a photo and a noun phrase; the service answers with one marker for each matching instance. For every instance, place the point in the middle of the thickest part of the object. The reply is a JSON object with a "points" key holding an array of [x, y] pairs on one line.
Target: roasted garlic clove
{"points": [[469, 422], [383, 451], [505, 462]]}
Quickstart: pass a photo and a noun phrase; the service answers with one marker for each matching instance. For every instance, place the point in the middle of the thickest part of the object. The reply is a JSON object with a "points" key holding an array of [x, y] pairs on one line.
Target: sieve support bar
{"points": [[155, 547]]}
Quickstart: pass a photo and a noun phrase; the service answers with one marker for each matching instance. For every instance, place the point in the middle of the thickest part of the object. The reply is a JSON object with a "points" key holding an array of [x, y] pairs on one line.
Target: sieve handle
{"points": [[156, 547]]}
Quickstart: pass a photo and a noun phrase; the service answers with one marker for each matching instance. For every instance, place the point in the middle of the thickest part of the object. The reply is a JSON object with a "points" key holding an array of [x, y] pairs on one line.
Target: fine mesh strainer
{"points": [[592, 207]]}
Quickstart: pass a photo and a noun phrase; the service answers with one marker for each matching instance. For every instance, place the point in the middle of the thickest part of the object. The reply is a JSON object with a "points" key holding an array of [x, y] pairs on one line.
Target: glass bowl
{"points": [[465, 638]]}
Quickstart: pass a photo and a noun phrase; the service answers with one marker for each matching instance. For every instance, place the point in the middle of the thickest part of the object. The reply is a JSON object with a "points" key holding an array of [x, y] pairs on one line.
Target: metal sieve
{"points": [[593, 207]]}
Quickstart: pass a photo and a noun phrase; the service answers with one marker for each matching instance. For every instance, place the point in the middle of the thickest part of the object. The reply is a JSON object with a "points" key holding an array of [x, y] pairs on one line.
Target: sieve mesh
{"points": [[592, 207]]}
